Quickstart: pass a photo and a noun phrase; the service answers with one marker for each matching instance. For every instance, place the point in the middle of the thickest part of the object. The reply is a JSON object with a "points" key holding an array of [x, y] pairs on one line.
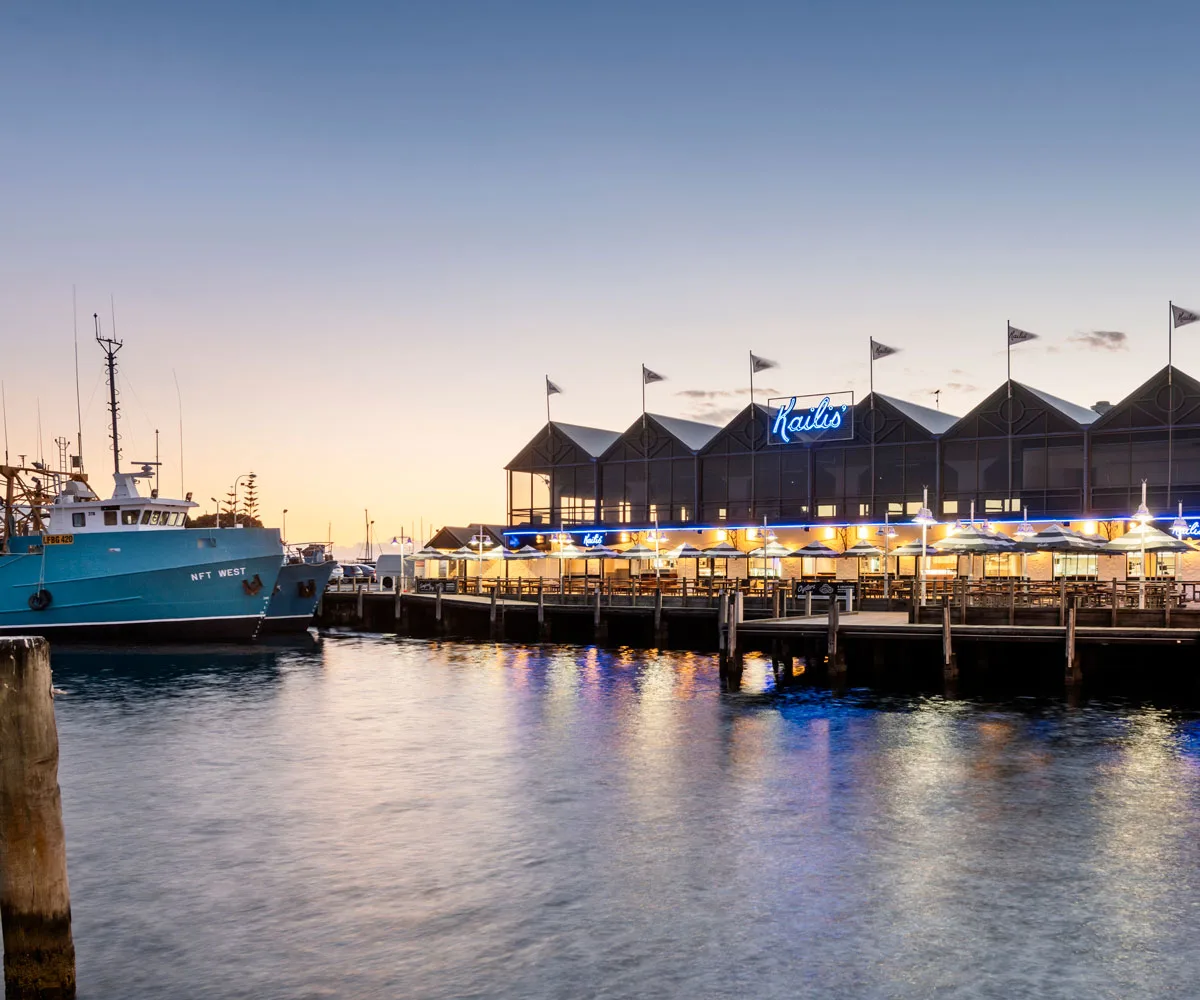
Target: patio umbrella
{"points": [[773, 550], [569, 550], [428, 553], [1145, 538], [524, 552], [685, 551], [914, 549], [973, 540], [861, 549], [466, 552], [638, 551], [1059, 538], [601, 552], [724, 550], [818, 549]]}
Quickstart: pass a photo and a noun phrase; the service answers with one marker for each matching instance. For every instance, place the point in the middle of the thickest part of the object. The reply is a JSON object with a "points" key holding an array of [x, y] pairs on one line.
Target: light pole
{"points": [[888, 533], [1143, 517], [245, 475], [924, 518]]}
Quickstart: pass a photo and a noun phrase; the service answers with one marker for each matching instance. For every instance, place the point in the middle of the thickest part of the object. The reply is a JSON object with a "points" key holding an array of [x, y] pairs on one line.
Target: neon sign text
{"points": [[818, 419], [593, 539]]}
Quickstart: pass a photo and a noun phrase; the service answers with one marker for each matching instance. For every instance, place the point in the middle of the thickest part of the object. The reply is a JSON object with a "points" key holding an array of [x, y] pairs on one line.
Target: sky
{"points": [[357, 236]]}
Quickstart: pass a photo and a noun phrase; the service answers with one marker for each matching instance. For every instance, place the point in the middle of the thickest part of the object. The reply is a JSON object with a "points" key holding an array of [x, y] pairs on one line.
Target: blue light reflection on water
{"points": [[377, 817]]}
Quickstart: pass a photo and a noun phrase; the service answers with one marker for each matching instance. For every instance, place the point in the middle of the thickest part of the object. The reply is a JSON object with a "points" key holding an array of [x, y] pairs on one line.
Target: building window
{"points": [[949, 506], [684, 514], [653, 511], [624, 512], [1073, 564], [721, 512], [913, 506], [1002, 564], [77, 520], [826, 510], [1159, 565], [895, 508], [864, 510]]}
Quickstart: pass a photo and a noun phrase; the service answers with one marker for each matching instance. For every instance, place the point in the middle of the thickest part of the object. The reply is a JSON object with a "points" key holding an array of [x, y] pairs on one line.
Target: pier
{"points": [[1117, 635]]}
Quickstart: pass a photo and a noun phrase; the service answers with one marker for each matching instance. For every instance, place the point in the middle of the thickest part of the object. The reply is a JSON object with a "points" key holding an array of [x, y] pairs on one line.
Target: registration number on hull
{"points": [[58, 539]]}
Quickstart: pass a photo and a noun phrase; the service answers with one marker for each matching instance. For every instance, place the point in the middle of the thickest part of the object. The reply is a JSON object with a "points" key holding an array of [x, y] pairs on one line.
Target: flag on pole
{"points": [[1182, 317], [758, 364], [879, 350], [648, 376], [1016, 336], [551, 388]]}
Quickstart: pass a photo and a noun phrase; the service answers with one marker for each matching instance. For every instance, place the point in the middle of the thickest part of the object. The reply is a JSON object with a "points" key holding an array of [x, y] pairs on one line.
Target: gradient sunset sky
{"points": [[360, 234]]}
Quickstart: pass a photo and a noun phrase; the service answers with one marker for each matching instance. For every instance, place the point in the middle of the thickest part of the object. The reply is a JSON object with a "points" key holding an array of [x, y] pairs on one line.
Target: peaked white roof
{"points": [[934, 421], [1080, 414], [691, 432], [594, 440]]}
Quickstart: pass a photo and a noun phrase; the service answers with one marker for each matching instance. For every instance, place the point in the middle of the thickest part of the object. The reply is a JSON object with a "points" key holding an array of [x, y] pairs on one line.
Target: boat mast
{"points": [[110, 347]]}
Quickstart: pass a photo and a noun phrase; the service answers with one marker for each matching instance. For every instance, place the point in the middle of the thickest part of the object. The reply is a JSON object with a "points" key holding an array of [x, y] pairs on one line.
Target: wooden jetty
{"points": [[1066, 633]]}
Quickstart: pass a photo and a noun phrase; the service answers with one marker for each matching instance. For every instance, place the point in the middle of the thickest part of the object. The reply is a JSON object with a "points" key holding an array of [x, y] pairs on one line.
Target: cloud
{"points": [[1102, 340], [760, 392], [713, 414], [961, 387]]}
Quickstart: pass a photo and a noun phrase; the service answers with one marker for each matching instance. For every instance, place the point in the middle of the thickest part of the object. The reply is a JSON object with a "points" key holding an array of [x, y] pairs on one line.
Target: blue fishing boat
{"points": [[76, 566], [302, 581]]}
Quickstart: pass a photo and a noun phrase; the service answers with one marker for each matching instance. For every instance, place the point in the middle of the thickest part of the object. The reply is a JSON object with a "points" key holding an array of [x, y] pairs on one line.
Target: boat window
{"points": [[154, 516], [146, 517], [77, 519], [110, 517], [130, 516]]}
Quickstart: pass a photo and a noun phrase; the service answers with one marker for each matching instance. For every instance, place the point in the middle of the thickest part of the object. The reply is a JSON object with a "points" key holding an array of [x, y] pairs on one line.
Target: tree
{"points": [[210, 521], [250, 504]]}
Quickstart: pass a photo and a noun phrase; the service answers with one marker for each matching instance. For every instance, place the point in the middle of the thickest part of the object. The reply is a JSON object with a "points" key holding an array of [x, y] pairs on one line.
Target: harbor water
{"points": [[373, 817]]}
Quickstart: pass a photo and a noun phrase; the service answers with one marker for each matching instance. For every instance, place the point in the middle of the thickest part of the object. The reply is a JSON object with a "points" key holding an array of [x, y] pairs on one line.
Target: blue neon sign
{"points": [[807, 419]]}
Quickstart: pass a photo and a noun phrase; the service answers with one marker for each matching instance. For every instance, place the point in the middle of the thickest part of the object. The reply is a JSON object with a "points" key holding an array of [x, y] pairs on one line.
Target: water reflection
{"points": [[384, 817]]}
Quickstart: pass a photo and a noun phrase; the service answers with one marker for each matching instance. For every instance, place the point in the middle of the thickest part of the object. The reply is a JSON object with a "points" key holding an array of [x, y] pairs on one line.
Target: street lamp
{"points": [[1143, 517], [887, 533], [924, 517]]}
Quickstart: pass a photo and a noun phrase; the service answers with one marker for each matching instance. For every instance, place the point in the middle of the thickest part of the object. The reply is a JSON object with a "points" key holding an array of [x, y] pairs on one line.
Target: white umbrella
{"points": [[818, 549], [861, 549], [685, 551], [772, 550], [724, 550], [428, 553], [1146, 538], [638, 551], [524, 552]]}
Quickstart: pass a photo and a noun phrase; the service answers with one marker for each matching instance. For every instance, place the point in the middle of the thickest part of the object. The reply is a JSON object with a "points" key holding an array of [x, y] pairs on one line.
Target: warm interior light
{"points": [[751, 534], [624, 536], [1089, 527], [722, 535], [830, 533]]}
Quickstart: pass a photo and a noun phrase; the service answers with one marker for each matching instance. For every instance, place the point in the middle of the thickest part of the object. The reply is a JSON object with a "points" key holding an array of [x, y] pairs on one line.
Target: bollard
{"points": [[808, 605], [722, 620], [493, 617], [1074, 673], [437, 606], [35, 901], [1012, 601], [359, 605], [660, 621], [599, 627], [833, 650], [543, 631]]}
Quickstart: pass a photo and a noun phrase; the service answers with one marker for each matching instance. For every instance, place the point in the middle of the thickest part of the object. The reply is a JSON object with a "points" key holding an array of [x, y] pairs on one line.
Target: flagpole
{"points": [[753, 440], [1008, 384], [871, 383], [1170, 397], [646, 462]]}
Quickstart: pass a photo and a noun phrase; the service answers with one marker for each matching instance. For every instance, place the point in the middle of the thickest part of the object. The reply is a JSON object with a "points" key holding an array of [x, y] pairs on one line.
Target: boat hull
{"points": [[297, 592], [173, 585]]}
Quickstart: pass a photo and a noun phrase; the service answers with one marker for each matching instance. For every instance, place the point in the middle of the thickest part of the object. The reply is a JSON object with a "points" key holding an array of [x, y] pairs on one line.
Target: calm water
{"points": [[384, 818]]}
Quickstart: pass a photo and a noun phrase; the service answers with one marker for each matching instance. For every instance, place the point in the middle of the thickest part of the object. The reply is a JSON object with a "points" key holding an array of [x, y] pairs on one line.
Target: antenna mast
{"points": [[78, 406], [110, 347]]}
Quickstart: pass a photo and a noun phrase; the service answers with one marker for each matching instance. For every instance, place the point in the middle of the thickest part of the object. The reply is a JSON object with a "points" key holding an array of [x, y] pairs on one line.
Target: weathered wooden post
{"points": [[478, 583], [775, 613], [1168, 597], [808, 605], [599, 626], [660, 621], [722, 622], [1113, 623], [965, 597], [493, 615], [1012, 601], [733, 671], [358, 608], [833, 649], [949, 658], [1074, 673], [437, 609], [35, 901], [543, 630], [1062, 600]]}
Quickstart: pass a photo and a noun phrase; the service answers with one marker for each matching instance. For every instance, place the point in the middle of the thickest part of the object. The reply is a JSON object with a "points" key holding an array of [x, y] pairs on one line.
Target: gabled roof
{"points": [[934, 421], [594, 440], [747, 431], [1146, 406], [1030, 411], [1080, 414], [452, 537], [691, 432]]}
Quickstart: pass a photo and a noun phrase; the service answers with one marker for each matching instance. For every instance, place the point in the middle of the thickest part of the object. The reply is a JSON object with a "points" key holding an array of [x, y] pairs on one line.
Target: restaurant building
{"points": [[832, 469]]}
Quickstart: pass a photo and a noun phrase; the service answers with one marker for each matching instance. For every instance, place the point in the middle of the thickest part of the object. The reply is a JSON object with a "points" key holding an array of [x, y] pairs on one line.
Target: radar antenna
{"points": [[110, 347]]}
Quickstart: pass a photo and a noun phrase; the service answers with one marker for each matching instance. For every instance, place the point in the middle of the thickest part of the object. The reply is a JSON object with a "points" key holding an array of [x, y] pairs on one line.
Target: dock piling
{"points": [[808, 605], [35, 900], [543, 631], [1074, 673], [660, 623], [494, 614], [833, 649], [949, 658]]}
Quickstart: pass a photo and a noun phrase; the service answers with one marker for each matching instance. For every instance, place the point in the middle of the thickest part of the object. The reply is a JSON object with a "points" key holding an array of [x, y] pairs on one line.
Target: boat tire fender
{"points": [[40, 601]]}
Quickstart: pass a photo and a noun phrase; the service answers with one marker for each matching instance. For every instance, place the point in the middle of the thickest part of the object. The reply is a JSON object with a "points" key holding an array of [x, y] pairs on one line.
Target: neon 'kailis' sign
{"points": [[824, 418]]}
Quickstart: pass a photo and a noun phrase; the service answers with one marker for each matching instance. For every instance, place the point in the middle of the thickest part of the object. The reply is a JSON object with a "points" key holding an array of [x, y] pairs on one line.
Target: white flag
{"points": [[1182, 317], [879, 350], [1016, 336], [758, 364], [648, 376], [551, 388]]}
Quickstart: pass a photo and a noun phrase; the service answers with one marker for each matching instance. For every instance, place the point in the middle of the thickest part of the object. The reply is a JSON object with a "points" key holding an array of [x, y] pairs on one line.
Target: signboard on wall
{"points": [[825, 416], [431, 585]]}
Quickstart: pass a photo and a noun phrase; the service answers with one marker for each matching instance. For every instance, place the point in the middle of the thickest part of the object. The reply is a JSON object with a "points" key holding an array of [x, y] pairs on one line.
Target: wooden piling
{"points": [[1062, 600], [543, 631], [1012, 601], [1074, 674], [660, 622], [358, 607], [1114, 603], [599, 626], [949, 658], [833, 649], [494, 615], [722, 620], [35, 901], [1167, 599], [808, 605], [437, 608]]}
